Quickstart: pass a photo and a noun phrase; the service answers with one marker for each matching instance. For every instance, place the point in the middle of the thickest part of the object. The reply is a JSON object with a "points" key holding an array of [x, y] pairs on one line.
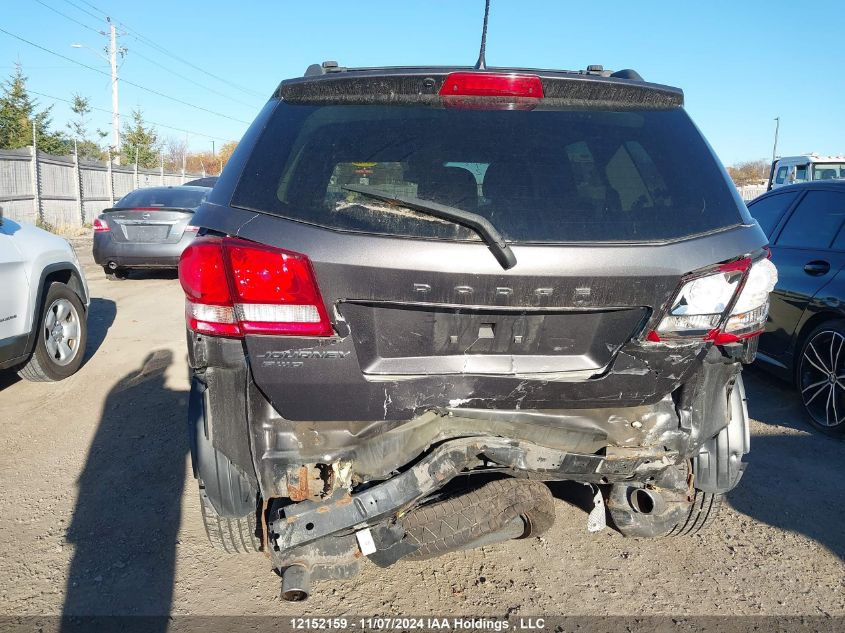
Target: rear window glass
{"points": [[157, 197], [538, 176]]}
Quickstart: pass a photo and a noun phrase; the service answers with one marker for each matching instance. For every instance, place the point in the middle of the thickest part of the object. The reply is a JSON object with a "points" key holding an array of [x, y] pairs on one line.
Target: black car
{"points": [[147, 228], [805, 334], [419, 293]]}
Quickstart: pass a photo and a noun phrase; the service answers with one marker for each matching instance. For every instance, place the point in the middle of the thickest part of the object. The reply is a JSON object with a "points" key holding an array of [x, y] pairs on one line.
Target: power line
{"points": [[86, 11], [93, 7], [125, 81], [169, 127], [66, 16], [188, 79], [148, 42]]}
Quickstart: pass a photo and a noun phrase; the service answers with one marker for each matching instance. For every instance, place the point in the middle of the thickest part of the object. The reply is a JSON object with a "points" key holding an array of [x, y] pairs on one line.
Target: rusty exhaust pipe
{"points": [[296, 583], [646, 501]]}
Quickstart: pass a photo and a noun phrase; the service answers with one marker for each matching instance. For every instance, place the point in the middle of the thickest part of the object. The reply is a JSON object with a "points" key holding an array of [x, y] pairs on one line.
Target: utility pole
{"points": [[115, 109], [777, 129], [184, 158], [36, 177]]}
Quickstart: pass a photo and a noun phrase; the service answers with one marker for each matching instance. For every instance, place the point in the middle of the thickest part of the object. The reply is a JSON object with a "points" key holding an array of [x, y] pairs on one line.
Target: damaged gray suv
{"points": [[418, 294]]}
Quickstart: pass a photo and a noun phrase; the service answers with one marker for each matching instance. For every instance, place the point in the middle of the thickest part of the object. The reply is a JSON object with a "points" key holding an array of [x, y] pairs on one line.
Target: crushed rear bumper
{"points": [[273, 457]]}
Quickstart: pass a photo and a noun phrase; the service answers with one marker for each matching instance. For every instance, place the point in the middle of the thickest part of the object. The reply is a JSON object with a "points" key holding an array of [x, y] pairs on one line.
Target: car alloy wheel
{"points": [[61, 332], [822, 378]]}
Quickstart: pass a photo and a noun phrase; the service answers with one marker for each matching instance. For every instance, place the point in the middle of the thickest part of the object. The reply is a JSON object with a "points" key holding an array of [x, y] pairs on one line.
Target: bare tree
{"points": [[174, 151], [749, 172]]}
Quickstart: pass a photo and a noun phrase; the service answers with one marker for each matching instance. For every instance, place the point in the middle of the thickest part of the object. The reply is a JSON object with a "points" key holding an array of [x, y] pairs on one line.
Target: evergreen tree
{"points": [[137, 136], [78, 127], [18, 113]]}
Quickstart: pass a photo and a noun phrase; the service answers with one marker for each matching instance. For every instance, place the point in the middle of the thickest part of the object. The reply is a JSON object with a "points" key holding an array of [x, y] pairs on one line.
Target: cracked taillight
{"points": [[700, 308], [235, 287]]}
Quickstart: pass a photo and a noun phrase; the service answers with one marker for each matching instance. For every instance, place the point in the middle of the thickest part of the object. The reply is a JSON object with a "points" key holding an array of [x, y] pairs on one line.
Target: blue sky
{"points": [[740, 63]]}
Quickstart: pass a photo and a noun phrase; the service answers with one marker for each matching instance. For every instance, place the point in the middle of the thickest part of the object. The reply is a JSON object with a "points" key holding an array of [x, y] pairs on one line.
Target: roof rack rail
{"points": [[331, 66], [328, 66]]}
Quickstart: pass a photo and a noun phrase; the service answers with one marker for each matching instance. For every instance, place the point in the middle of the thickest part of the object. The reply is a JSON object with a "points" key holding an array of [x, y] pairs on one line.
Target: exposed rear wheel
{"points": [[664, 509], [821, 377], [232, 535], [703, 510]]}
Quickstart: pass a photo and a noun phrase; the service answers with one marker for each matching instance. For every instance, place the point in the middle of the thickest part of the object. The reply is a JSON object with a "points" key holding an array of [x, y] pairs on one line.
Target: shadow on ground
{"points": [[141, 274], [793, 480], [126, 520], [101, 315]]}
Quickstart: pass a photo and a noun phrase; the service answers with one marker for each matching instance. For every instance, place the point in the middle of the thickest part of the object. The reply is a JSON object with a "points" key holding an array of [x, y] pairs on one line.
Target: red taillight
{"points": [[481, 84], [100, 226], [235, 287], [738, 265]]}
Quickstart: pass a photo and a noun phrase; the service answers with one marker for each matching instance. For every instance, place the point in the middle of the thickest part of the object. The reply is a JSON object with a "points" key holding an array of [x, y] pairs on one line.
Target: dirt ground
{"points": [[99, 513]]}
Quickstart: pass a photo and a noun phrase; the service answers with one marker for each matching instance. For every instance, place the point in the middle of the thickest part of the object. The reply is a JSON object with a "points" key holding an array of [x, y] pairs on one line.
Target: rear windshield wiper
{"points": [[476, 223]]}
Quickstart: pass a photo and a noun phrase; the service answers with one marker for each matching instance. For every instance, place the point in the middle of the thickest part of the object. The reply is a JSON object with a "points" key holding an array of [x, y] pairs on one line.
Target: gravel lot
{"points": [[99, 514]]}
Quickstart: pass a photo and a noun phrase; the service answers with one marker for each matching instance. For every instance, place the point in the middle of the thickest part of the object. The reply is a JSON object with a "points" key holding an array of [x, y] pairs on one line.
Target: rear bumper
{"points": [[294, 373], [138, 254], [600, 444]]}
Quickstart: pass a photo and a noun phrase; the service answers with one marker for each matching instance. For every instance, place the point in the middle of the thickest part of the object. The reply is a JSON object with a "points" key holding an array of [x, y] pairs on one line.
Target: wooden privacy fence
{"points": [[63, 191]]}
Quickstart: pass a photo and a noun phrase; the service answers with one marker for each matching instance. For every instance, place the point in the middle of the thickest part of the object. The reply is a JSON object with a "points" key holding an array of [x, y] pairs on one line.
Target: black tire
{"points": [[703, 510], [818, 367], [450, 525], [232, 535], [118, 274], [42, 365]]}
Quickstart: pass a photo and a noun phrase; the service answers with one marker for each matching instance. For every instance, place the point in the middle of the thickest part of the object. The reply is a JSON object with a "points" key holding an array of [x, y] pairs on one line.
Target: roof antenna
{"points": [[481, 64]]}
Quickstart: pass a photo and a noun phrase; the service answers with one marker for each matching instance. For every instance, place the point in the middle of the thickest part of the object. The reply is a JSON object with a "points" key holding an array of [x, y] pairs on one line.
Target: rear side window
{"points": [[539, 176], [781, 175], [769, 210], [153, 197], [815, 221]]}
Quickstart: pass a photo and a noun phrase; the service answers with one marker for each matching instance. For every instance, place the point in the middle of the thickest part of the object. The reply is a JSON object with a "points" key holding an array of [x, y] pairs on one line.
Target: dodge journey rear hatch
{"points": [[406, 275]]}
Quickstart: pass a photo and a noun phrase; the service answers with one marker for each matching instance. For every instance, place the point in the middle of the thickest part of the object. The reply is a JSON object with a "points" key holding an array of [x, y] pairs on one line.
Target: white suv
{"points": [[43, 303]]}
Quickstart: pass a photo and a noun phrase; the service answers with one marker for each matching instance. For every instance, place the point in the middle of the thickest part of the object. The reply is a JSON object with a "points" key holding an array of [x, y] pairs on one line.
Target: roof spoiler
{"points": [[329, 83]]}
